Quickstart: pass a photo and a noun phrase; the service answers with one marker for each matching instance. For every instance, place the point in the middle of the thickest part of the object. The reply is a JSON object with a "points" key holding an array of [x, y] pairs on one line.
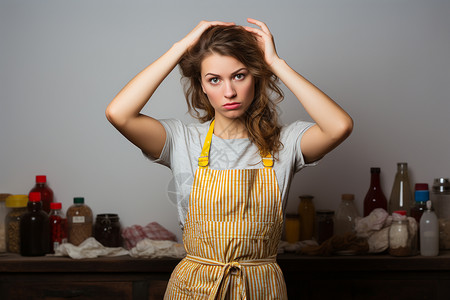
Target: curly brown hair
{"points": [[261, 118]]}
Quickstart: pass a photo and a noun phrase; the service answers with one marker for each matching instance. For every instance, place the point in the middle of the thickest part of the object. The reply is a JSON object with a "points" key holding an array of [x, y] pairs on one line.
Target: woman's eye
{"points": [[239, 76], [214, 80]]}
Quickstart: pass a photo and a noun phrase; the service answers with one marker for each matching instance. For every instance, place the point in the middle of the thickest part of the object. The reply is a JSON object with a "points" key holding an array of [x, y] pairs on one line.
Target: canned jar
{"points": [[18, 206], [399, 238], [107, 230]]}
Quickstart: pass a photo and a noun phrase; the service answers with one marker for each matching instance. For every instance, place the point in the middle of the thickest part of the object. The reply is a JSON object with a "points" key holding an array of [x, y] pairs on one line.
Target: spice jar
{"points": [[325, 225], [399, 235], [107, 230], [292, 228], [79, 221], [17, 205]]}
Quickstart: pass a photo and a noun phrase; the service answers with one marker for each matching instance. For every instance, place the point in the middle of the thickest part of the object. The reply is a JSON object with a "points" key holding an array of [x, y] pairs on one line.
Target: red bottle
{"points": [[46, 192], [421, 196], [375, 197], [58, 226]]}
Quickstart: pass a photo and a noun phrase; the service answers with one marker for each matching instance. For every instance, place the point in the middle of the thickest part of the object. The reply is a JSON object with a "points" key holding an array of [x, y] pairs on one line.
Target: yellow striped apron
{"points": [[231, 235]]}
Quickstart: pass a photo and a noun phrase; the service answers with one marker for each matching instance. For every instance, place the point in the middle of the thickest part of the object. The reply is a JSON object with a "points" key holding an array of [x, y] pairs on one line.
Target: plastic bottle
{"points": [[375, 197], [46, 192], [34, 228], [421, 196], [429, 233], [307, 212], [58, 226], [79, 221], [346, 215], [401, 195]]}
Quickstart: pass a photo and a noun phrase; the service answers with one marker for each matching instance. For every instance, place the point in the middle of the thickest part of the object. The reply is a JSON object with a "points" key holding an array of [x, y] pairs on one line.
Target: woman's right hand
{"points": [[193, 36]]}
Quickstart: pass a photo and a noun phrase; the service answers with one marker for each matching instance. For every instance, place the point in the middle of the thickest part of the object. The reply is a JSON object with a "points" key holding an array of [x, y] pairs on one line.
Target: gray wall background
{"points": [[61, 62]]}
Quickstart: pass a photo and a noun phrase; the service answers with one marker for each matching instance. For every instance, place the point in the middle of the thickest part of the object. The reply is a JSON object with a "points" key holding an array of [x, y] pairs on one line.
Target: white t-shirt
{"points": [[184, 144]]}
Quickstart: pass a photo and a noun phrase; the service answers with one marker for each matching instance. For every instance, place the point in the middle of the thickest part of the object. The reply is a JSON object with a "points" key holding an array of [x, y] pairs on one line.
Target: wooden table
{"points": [[335, 277]]}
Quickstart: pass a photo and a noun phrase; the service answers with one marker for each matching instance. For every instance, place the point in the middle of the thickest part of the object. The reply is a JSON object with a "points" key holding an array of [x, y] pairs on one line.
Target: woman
{"points": [[238, 163]]}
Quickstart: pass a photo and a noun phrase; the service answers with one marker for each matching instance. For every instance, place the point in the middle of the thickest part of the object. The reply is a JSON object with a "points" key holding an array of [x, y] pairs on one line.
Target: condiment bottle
{"points": [[429, 233], [80, 221], [325, 225], [58, 226], [401, 195], [399, 236], [346, 215], [306, 211], [421, 196], [34, 228], [46, 192], [375, 197], [292, 228], [17, 205]]}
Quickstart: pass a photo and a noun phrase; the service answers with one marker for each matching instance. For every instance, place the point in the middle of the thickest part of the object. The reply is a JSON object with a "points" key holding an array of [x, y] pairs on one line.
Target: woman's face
{"points": [[228, 85]]}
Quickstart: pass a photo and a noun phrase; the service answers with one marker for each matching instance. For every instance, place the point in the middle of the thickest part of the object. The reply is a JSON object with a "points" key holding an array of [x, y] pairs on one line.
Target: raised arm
{"points": [[333, 124], [124, 111]]}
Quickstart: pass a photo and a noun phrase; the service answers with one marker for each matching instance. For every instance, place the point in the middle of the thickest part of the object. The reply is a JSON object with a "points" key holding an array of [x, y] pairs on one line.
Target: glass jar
{"points": [[346, 215], [3, 212], [107, 230], [440, 198], [306, 211], [400, 243], [325, 225], [17, 205], [292, 228]]}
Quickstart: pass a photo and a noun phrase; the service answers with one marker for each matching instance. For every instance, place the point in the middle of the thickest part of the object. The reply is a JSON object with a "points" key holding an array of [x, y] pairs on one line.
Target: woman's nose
{"points": [[229, 91]]}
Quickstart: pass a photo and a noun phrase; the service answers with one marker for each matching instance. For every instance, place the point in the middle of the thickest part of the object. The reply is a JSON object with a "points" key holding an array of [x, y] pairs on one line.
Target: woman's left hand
{"points": [[265, 40]]}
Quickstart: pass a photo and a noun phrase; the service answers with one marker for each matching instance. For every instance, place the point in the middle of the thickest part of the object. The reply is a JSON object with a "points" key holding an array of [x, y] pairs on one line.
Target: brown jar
{"points": [[79, 221], [107, 230]]}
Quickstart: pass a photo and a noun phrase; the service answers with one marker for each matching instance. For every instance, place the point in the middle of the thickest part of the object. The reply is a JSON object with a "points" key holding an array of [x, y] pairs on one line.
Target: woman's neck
{"points": [[230, 129]]}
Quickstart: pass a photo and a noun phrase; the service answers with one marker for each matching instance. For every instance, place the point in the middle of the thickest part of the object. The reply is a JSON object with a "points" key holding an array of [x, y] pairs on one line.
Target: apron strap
{"points": [[234, 267], [203, 160]]}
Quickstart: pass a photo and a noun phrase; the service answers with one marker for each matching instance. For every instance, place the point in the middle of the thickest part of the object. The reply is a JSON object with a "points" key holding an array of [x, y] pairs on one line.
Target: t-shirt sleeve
{"points": [[293, 134], [173, 128]]}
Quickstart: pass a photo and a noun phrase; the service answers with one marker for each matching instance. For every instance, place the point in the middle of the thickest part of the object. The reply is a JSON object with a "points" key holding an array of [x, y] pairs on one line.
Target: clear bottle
{"points": [[79, 221], [346, 215], [440, 198], [58, 226], [429, 233], [34, 228], [17, 205], [307, 212], [45, 191], [401, 195], [375, 197]]}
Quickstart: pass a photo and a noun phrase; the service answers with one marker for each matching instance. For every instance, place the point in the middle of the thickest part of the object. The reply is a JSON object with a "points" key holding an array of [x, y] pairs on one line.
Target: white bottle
{"points": [[429, 233]]}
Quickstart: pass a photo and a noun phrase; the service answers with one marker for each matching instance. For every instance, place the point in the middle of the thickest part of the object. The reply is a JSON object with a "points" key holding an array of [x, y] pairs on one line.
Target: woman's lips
{"points": [[232, 105]]}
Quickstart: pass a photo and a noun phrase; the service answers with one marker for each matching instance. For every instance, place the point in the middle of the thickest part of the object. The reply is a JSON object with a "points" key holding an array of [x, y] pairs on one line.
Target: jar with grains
{"points": [[400, 242], [79, 221], [3, 212], [17, 205]]}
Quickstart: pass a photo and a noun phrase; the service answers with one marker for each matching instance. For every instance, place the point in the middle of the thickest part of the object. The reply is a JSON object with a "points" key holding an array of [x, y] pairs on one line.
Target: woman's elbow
{"points": [[344, 129]]}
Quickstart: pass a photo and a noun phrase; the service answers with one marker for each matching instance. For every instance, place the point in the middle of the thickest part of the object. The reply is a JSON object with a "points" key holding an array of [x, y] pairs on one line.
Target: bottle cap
{"points": [[348, 197], [34, 197], [55, 205], [421, 196], [41, 178], [400, 212], [16, 201], [78, 200], [421, 187], [375, 170]]}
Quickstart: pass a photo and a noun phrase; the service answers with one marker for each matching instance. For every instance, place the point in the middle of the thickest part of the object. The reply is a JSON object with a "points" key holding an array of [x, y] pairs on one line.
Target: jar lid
{"points": [[348, 197], [400, 212], [78, 200], [17, 201], [441, 185], [41, 178]]}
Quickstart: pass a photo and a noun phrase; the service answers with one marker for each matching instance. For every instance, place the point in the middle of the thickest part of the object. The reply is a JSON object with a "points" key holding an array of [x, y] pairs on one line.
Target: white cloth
{"points": [[156, 249], [90, 248], [184, 144]]}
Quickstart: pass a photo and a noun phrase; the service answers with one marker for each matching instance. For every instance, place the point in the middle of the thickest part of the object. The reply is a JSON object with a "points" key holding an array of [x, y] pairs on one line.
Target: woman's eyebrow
{"points": [[233, 73]]}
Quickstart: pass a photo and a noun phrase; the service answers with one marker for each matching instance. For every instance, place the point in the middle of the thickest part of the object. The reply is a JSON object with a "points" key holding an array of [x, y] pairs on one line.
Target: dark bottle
{"points": [[34, 228], [46, 192], [421, 196], [375, 197], [107, 230]]}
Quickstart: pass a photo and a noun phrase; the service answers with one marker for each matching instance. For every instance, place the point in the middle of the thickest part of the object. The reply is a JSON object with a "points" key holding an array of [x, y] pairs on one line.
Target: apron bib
{"points": [[231, 235]]}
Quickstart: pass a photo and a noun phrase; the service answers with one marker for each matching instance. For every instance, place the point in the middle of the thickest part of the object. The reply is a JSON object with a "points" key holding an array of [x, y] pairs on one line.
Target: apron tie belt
{"points": [[235, 268]]}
